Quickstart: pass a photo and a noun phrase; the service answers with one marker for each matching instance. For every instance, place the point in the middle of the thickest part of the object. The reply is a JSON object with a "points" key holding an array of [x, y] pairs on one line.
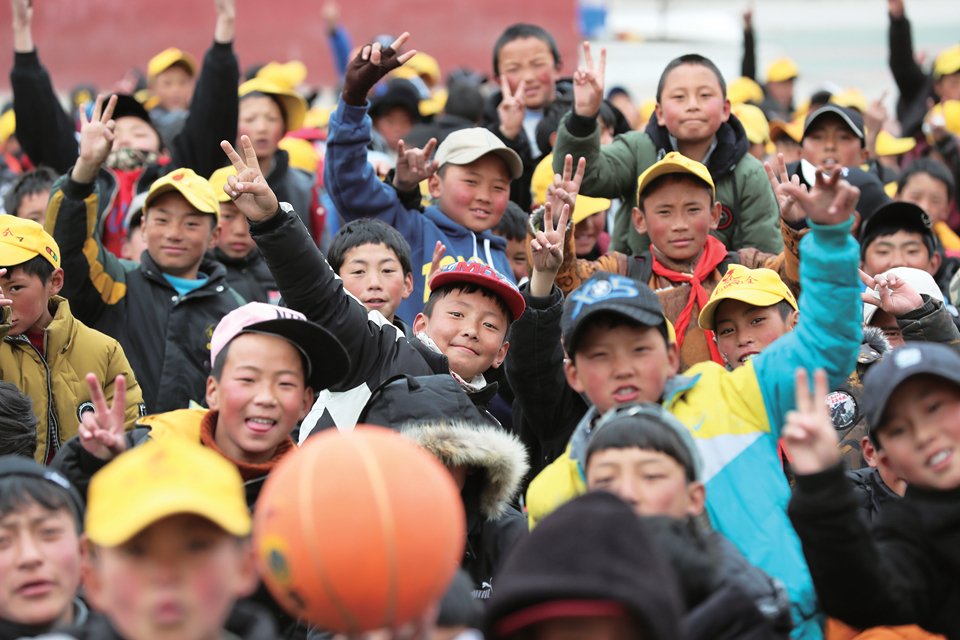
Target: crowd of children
{"points": [[693, 367]]}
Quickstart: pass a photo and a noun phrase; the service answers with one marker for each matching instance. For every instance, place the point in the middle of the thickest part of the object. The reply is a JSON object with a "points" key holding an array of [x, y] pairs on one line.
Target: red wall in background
{"points": [[98, 40]]}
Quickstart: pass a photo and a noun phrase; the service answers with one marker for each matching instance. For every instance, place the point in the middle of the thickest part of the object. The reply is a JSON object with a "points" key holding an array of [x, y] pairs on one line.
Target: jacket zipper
{"points": [[53, 425]]}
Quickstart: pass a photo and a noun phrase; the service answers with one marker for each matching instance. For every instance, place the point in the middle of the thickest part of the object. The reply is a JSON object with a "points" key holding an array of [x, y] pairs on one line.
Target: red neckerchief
{"points": [[248, 471], [714, 253], [115, 226]]}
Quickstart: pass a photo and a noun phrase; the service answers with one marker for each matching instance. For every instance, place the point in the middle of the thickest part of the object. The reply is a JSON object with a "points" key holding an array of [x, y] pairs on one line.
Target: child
{"points": [[373, 261], [899, 234], [28, 196], [18, 424], [930, 185], [513, 228], [471, 185], [41, 520], [46, 351], [786, 137], [168, 549], [461, 331], [620, 350], [247, 273], [163, 310], [690, 83], [905, 571], [647, 457], [171, 76]]}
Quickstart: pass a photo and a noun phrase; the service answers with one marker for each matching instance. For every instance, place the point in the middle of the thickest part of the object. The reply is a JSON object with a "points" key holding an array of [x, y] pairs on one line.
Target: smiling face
{"points": [[177, 235], [692, 105], [744, 330], [919, 436], [260, 397], [469, 328], [621, 364], [677, 214], [39, 565], [531, 61], [177, 578], [30, 310], [373, 274], [131, 132], [261, 120], [474, 195], [830, 143]]}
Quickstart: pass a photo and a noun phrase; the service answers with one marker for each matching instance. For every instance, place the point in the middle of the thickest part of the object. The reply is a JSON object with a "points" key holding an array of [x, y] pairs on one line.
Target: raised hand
{"points": [[809, 435], [414, 165], [891, 293], [564, 188], [789, 211], [546, 247], [96, 140], [4, 300], [439, 250], [369, 66], [511, 109], [225, 28], [831, 201], [102, 430], [249, 189], [588, 83], [895, 8]]}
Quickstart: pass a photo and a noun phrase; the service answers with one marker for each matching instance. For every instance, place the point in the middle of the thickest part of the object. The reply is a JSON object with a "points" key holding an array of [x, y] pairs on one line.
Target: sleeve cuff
{"points": [[28, 59], [78, 190], [542, 303], [270, 225], [824, 482], [581, 126]]}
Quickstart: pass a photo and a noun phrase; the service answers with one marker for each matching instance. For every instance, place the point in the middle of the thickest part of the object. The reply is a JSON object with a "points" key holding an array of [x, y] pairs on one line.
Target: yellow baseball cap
{"points": [[435, 103], [586, 206], [293, 103], [162, 478], [851, 98], [792, 130], [754, 122], [674, 162], [947, 114], [425, 66], [757, 287], [8, 125], [782, 69], [285, 74], [22, 240], [542, 178], [196, 189], [888, 145], [744, 89], [302, 154], [317, 117], [166, 59], [218, 180], [947, 62]]}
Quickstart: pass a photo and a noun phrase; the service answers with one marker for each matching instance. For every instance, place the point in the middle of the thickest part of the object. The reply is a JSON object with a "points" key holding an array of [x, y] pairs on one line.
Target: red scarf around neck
{"points": [[714, 253]]}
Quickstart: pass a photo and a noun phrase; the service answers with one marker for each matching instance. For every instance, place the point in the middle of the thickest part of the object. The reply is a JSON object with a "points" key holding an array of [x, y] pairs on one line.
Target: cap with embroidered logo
{"points": [[483, 276], [196, 189], [757, 287], [22, 240]]}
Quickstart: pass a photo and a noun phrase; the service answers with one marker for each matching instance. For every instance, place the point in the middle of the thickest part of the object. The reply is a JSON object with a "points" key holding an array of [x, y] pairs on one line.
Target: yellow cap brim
{"points": [[586, 206], [666, 167], [11, 255], [751, 297], [199, 204]]}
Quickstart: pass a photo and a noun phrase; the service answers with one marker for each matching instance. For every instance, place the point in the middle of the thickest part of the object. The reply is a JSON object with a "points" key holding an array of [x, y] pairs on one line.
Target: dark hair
{"points": [[932, 168], [889, 229], [611, 320], [35, 266], [687, 547], [18, 491], [18, 424], [691, 58], [275, 99], [216, 371], [671, 178], [642, 432], [465, 287], [513, 224], [519, 31], [28, 184], [368, 231]]}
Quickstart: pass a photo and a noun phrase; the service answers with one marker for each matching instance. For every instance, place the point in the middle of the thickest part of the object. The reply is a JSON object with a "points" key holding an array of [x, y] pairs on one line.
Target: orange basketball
{"points": [[358, 530]]}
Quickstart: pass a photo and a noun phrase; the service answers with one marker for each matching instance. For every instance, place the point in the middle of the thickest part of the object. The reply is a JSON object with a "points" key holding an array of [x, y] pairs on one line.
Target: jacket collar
{"points": [[216, 273], [731, 145]]}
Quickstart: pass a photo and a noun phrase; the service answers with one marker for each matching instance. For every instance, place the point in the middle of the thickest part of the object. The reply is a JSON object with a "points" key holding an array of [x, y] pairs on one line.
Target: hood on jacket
{"points": [[499, 455], [732, 145]]}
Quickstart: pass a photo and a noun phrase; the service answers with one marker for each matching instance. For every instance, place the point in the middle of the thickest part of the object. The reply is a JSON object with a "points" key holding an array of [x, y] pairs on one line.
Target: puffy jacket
{"points": [[165, 336], [750, 213], [735, 418], [358, 193], [296, 187], [55, 380], [249, 276]]}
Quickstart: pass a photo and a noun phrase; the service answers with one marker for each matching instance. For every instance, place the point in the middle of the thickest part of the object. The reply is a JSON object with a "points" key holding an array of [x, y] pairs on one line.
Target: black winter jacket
{"points": [[249, 276], [915, 86]]}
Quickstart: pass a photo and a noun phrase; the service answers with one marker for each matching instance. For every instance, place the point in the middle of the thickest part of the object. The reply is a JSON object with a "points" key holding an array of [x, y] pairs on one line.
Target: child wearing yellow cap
{"points": [[46, 351]]}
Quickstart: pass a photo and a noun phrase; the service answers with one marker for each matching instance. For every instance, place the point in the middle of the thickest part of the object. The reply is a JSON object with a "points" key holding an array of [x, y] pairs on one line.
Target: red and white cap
{"points": [[483, 276]]}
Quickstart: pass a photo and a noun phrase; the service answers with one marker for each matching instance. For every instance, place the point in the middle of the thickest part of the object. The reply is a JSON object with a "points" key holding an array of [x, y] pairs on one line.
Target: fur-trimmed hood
{"points": [[499, 455]]}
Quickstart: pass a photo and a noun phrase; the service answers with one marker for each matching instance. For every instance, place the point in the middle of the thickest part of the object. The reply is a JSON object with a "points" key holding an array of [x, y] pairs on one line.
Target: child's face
{"points": [[394, 125], [33, 206], [39, 565], [373, 274], [131, 132], [744, 330], [260, 118], [948, 87], [530, 60], [920, 435], [830, 143], [593, 627], [678, 216], [234, 238], [890, 327], [651, 482], [791, 150], [781, 91], [178, 578], [173, 88], [470, 329], [134, 244], [619, 365], [901, 249], [474, 195], [692, 106], [261, 395], [517, 257], [30, 310], [586, 232], [177, 235], [928, 193]]}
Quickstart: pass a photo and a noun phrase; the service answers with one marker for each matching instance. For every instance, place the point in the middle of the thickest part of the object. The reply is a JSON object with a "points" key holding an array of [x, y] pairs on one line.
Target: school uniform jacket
{"points": [[358, 193], [165, 335], [735, 418], [55, 379], [750, 215]]}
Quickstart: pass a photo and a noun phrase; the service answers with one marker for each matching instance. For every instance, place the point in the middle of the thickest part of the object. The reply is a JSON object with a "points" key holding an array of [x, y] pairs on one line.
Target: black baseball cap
{"points": [[912, 359], [28, 468], [899, 215], [850, 117], [127, 105], [609, 292]]}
